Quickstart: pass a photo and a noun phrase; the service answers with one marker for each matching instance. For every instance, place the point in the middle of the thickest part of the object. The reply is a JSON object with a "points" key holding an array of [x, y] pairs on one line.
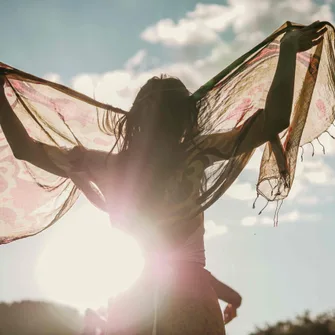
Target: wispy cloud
{"points": [[205, 25], [201, 26], [136, 60], [308, 200], [242, 191], [289, 217], [185, 32], [247, 19], [54, 77], [213, 230]]}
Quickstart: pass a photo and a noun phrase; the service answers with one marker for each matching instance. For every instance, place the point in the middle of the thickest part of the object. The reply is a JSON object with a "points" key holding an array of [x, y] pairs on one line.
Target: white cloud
{"points": [[289, 217], [297, 189], [249, 221], [308, 200], [212, 15], [119, 87], [256, 159], [136, 60], [266, 15], [250, 22], [317, 177], [318, 172], [248, 19], [54, 77], [328, 142], [185, 32], [242, 191], [220, 52], [85, 83], [213, 230], [312, 171]]}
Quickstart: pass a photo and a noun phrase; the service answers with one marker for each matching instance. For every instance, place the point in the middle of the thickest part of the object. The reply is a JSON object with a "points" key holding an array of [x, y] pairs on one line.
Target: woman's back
{"points": [[172, 296], [145, 200]]}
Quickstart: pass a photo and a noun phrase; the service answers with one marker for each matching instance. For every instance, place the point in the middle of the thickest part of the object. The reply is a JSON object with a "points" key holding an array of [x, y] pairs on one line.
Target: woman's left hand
{"points": [[2, 88], [305, 38], [229, 313]]}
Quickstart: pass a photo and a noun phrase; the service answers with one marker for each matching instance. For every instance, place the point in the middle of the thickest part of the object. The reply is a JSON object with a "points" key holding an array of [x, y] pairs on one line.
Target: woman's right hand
{"points": [[229, 313], [303, 39]]}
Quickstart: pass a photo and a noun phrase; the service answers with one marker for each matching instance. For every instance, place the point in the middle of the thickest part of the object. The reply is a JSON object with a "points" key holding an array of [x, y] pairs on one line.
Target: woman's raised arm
{"points": [[78, 163], [267, 123], [22, 145]]}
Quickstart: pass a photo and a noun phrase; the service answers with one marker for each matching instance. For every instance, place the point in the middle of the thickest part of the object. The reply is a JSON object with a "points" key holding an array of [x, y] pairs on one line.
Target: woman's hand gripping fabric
{"points": [[305, 38]]}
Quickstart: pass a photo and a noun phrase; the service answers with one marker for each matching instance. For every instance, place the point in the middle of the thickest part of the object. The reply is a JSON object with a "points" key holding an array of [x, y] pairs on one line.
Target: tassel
{"points": [[254, 203], [332, 136], [263, 208], [312, 148], [280, 184], [323, 147], [276, 215]]}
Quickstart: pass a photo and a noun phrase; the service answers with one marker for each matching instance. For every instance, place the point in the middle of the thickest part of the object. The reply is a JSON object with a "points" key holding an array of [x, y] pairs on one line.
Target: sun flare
{"points": [[86, 261]]}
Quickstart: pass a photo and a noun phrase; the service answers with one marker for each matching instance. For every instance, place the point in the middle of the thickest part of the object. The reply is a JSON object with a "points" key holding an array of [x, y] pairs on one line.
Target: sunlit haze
{"points": [[110, 48], [88, 262]]}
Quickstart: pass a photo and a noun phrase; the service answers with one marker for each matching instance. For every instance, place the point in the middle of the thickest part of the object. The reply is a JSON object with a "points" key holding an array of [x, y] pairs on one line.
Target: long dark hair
{"points": [[162, 110]]}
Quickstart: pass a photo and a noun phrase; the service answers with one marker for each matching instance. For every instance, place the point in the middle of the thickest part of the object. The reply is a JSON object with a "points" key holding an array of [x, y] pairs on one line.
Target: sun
{"points": [[85, 261]]}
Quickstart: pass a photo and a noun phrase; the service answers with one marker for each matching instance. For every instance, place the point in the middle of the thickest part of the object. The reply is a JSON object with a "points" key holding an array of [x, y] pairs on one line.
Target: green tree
{"points": [[38, 318], [323, 324]]}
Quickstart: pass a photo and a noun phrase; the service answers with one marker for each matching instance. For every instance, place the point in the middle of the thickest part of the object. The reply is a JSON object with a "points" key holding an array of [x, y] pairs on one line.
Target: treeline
{"points": [[39, 318], [323, 324], [43, 318]]}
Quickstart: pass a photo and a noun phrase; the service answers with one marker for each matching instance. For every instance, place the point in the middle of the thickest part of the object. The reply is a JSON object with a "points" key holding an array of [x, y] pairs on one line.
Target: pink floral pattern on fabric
{"points": [[62, 119], [321, 109]]}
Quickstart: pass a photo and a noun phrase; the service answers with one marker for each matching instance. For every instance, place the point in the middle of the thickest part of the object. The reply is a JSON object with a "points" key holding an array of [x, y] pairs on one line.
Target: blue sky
{"points": [[116, 45]]}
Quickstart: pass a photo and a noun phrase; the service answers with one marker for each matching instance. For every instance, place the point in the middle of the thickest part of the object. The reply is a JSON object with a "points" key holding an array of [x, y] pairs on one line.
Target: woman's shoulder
{"points": [[101, 165]]}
